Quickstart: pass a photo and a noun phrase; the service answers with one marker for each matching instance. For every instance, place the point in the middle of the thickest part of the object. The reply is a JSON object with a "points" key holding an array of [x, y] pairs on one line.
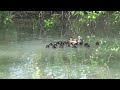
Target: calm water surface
{"points": [[31, 60]]}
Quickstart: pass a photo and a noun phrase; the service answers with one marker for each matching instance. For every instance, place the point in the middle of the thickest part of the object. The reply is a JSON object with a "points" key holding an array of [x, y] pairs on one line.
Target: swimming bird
{"points": [[97, 43], [87, 45], [47, 46]]}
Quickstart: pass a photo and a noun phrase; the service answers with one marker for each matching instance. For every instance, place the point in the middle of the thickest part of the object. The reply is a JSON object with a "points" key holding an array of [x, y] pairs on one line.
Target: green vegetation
{"points": [[38, 28], [27, 25]]}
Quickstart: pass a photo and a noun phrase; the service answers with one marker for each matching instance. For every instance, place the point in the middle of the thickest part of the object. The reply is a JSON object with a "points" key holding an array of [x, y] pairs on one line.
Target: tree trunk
{"points": [[40, 25], [62, 13]]}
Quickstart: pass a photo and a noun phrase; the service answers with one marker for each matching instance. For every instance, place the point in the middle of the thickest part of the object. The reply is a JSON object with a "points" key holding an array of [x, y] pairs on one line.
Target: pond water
{"points": [[31, 60]]}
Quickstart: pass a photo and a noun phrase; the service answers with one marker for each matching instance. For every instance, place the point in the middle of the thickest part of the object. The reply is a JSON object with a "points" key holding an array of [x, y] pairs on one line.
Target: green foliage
{"points": [[116, 16], [49, 23], [77, 22], [92, 15], [7, 27], [81, 13], [6, 17]]}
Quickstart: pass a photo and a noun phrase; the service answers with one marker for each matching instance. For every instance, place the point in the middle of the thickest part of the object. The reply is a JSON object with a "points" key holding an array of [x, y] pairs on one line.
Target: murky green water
{"points": [[31, 59]]}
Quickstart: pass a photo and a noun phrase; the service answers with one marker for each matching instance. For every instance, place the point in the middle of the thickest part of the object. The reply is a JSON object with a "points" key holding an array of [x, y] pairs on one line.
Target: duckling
{"points": [[81, 43], [97, 43], [87, 45], [63, 43], [60, 42], [61, 46], [76, 44], [51, 44], [68, 45], [47, 46], [54, 46], [57, 43]]}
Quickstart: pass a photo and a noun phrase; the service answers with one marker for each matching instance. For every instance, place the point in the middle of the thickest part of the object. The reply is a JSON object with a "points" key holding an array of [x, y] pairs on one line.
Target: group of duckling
{"points": [[74, 43]]}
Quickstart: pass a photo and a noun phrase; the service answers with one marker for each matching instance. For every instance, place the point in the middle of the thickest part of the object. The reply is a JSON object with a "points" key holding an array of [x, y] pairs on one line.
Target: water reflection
{"points": [[31, 60]]}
